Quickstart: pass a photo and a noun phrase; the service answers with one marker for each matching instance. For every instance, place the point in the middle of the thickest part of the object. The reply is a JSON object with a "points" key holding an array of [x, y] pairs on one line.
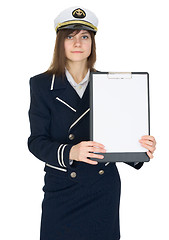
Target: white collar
{"points": [[72, 81]]}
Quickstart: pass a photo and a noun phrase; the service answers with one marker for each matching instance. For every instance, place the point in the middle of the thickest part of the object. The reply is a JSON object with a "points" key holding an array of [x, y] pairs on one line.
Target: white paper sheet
{"points": [[120, 112]]}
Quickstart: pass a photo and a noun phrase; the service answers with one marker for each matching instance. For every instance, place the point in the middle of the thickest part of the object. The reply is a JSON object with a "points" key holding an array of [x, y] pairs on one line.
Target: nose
{"points": [[77, 41]]}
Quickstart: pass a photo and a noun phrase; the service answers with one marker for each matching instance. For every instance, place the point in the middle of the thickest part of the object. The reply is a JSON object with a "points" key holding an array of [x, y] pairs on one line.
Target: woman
{"points": [[82, 196]]}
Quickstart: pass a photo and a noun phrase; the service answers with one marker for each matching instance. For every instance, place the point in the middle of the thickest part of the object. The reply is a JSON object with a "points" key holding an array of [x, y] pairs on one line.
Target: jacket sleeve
{"points": [[40, 143], [136, 165]]}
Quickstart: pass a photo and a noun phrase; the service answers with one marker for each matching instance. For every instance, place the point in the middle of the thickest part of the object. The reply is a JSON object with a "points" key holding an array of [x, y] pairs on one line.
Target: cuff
{"points": [[70, 162], [64, 156], [138, 165]]}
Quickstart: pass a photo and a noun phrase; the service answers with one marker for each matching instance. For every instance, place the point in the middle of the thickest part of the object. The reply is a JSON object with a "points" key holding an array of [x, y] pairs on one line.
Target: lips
{"points": [[77, 52]]}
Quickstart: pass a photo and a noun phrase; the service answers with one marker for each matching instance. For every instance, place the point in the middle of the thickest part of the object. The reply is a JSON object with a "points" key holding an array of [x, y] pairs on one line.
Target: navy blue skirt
{"points": [[76, 211]]}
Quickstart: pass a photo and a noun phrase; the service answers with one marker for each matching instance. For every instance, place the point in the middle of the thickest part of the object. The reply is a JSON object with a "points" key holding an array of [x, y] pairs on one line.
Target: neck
{"points": [[78, 70]]}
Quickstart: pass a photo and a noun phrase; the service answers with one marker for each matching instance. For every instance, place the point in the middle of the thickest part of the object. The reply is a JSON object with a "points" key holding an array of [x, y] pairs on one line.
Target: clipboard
{"points": [[120, 114]]}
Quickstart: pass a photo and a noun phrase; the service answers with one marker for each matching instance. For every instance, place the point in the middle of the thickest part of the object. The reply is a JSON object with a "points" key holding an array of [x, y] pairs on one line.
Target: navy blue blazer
{"points": [[59, 119]]}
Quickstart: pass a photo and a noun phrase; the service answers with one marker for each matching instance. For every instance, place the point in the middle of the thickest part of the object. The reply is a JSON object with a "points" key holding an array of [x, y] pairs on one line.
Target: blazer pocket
{"points": [[54, 183]]}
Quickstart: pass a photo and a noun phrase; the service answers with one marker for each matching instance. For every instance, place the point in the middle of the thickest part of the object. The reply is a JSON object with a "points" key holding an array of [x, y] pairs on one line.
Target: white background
{"points": [[132, 36]]}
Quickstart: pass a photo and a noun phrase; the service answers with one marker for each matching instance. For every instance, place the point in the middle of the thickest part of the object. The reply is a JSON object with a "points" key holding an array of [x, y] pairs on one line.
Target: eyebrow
{"points": [[85, 32]]}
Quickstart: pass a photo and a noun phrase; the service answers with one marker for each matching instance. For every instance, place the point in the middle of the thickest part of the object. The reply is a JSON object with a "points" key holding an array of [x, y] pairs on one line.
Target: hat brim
{"points": [[77, 27]]}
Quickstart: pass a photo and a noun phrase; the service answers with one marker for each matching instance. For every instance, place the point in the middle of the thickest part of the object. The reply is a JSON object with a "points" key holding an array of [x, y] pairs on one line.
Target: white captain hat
{"points": [[76, 18]]}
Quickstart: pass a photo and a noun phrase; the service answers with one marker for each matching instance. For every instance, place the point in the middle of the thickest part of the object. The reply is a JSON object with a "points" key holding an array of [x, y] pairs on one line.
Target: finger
{"points": [[94, 149], [96, 144], [151, 139], [146, 142], [151, 149], [148, 137], [90, 161], [92, 155], [150, 154]]}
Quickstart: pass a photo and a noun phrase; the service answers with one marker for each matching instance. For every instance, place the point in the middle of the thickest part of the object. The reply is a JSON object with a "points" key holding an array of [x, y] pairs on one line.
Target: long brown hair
{"points": [[59, 59]]}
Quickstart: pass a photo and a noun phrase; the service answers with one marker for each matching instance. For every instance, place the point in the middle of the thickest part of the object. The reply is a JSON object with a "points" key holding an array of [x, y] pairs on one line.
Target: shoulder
{"points": [[41, 81]]}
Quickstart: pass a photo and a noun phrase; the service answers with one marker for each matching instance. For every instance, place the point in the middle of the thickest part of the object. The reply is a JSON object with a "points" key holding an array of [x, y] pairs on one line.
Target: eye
{"points": [[85, 37], [69, 37]]}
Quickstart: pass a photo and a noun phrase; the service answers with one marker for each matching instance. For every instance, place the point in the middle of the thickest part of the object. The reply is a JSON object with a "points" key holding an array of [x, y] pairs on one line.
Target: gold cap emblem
{"points": [[79, 13]]}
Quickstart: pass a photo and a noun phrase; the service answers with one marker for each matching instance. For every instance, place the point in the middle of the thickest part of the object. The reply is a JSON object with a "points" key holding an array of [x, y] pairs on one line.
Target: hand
{"points": [[85, 149], [148, 142]]}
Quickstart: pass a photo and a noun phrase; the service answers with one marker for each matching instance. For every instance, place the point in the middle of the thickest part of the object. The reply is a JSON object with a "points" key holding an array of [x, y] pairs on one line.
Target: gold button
{"points": [[101, 172], [73, 174], [71, 136]]}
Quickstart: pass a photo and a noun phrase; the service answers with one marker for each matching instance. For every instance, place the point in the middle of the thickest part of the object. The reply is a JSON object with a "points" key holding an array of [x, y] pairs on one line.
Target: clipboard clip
{"points": [[119, 75]]}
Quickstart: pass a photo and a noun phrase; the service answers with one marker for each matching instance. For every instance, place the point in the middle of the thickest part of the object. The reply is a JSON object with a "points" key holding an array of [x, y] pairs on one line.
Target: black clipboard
{"points": [[118, 78]]}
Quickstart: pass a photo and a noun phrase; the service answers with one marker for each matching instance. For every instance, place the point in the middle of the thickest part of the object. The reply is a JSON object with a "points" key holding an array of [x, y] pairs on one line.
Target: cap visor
{"points": [[77, 27]]}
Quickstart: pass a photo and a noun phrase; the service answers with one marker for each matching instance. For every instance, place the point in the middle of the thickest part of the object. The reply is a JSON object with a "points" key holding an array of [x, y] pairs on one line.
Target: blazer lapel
{"points": [[63, 91], [82, 109]]}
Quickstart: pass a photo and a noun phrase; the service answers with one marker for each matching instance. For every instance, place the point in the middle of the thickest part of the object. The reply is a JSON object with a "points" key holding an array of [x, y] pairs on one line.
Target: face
{"points": [[78, 46]]}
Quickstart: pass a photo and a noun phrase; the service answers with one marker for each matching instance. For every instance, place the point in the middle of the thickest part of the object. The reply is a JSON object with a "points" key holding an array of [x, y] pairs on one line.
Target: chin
{"points": [[77, 59]]}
